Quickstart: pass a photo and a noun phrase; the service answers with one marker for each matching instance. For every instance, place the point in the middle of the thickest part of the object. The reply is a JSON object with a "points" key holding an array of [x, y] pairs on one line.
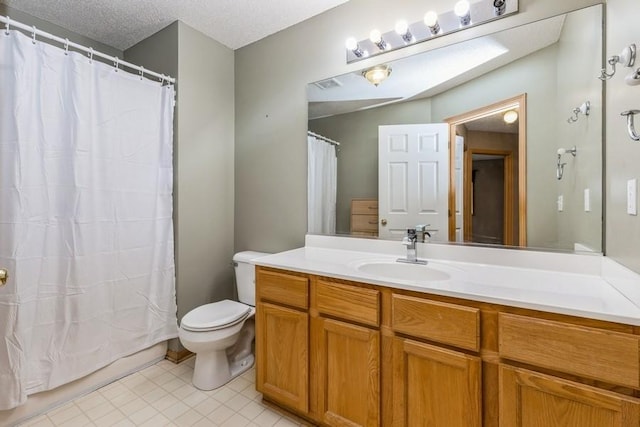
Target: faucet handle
{"points": [[422, 229]]}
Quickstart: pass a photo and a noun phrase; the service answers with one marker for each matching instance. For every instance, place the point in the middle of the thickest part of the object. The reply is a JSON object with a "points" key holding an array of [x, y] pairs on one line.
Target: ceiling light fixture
{"points": [[510, 116], [464, 14], [376, 75], [463, 10]]}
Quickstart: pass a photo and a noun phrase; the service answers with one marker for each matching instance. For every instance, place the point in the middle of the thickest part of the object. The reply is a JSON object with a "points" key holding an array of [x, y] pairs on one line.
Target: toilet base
{"points": [[213, 370]]}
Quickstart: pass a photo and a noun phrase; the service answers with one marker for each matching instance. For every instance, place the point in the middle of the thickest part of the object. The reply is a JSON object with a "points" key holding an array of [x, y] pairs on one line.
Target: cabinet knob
{"points": [[383, 221], [4, 275]]}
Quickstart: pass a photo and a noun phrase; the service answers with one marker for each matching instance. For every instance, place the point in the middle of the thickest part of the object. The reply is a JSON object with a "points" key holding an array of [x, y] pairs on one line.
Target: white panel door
{"points": [[413, 179]]}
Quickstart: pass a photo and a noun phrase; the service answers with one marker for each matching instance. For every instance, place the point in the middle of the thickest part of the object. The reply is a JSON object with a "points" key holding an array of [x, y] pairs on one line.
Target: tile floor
{"points": [[162, 395]]}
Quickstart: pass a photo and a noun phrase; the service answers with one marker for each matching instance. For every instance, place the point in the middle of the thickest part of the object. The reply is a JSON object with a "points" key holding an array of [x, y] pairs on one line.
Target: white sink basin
{"points": [[403, 271]]}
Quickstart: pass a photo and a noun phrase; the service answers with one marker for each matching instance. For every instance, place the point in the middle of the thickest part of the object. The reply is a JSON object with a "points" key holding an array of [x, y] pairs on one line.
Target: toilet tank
{"points": [[246, 275]]}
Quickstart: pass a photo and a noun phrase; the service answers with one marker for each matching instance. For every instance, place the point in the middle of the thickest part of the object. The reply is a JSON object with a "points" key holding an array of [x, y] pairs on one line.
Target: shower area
{"points": [[86, 231]]}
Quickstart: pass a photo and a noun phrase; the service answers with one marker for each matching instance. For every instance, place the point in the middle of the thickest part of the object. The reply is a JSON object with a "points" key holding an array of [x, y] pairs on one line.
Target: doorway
{"points": [[487, 199]]}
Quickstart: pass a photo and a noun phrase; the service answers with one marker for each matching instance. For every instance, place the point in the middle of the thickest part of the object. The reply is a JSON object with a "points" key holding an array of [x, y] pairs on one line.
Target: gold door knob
{"points": [[4, 275], [383, 221]]}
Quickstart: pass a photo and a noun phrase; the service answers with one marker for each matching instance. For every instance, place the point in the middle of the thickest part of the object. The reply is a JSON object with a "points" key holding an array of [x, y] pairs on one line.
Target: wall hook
{"points": [[560, 166], [627, 58], [585, 109], [630, 127]]}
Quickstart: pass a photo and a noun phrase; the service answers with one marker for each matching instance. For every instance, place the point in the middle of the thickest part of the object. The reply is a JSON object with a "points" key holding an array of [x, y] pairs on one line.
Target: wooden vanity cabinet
{"points": [[345, 347], [340, 353], [282, 339], [433, 385], [529, 398]]}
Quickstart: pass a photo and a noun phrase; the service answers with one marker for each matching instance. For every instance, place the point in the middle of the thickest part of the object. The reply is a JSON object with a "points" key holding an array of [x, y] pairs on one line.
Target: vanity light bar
{"points": [[479, 12]]}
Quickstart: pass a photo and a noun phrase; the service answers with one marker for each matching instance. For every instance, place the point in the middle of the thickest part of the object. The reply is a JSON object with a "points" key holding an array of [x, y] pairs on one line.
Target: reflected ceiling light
{"points": [[510, 116], [499, 7], [377, 74], [376, 38], [353, 46], [431, 21], [402, 28], [463, 10]]}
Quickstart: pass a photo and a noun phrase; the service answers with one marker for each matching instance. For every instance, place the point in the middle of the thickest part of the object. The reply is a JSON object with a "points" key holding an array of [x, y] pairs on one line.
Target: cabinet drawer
{"points": [[348, 302], [603, 355], [451, 324], [364, 223], [364, 207], [283, 288]]}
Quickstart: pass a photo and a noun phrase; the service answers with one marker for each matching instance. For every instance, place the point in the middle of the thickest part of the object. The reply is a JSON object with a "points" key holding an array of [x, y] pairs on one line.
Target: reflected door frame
{"points": [[507, 202], [519, 102]]}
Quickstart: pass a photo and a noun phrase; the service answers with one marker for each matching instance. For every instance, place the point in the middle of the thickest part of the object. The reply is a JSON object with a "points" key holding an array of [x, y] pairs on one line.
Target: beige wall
{"points": [[622, 154], [203, 159], [576, 84], [358, 156], [271, 106]]}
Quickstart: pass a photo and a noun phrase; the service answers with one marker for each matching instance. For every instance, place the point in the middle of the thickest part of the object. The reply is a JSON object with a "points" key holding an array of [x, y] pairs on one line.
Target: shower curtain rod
{"points": [[330, 141], [9, 23]]}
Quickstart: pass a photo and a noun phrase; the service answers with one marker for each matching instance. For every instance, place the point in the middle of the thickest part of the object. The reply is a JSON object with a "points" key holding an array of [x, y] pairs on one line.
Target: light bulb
{"points": [[461, 8], [402, 27], [430, 18], [431, 21], [351, 43], [510, 116], [375, 36]]}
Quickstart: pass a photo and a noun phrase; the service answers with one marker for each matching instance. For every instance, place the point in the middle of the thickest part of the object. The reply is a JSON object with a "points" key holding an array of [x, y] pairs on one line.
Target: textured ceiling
{"points": [[123, 23]]}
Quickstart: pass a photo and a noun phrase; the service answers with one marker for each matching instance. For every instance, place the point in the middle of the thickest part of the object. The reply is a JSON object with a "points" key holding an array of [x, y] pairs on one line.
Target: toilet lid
{"points": [[217, 315]]}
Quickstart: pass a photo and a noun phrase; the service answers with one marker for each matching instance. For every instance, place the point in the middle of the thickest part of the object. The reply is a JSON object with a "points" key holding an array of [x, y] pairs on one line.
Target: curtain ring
{"points": [[66, 46], [7, 26], [90, 55], [33, 35], [141, 72], [116, 63]]}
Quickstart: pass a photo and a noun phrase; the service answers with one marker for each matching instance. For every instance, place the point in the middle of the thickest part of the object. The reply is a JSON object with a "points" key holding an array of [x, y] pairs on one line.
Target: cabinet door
{"points": [[530, 399], [435, 387], [348, 377], [282, 373]]}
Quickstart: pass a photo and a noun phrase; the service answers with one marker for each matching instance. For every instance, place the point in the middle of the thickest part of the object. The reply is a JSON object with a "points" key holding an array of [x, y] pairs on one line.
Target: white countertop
{"points": [[560, 283]]}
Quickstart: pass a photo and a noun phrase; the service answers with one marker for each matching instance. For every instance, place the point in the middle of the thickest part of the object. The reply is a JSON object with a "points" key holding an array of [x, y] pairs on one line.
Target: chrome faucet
{"points": [[410, 242], [421, 231]]}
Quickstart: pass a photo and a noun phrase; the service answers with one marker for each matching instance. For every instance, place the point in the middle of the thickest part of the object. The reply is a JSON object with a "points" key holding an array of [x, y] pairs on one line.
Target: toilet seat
{"points": [[214, 316]]}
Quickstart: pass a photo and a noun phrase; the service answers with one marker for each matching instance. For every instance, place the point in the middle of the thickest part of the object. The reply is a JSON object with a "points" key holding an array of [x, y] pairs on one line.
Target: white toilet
{"points": [[221, 333]]}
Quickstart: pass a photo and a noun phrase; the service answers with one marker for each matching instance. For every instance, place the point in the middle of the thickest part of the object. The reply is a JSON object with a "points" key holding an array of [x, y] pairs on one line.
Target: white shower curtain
{"points": [[85, 216], [321, 186]]}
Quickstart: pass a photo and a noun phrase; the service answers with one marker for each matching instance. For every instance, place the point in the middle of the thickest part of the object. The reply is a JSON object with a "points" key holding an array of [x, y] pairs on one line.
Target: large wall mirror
{"points": [[494, 140]]}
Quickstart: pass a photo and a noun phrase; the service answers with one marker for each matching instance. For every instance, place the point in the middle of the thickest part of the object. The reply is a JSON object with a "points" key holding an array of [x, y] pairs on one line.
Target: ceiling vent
{"points": [[328, 84]]}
